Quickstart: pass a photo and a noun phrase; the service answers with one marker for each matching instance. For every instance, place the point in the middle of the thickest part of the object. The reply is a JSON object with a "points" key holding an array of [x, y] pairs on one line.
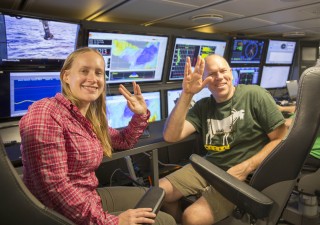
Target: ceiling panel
{"points": [[290, 15], [256, 7], [79, 9], [194, 3], [143, 11]]}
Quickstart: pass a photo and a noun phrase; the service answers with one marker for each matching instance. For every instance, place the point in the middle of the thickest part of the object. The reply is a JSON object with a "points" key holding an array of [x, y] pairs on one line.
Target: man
{"points": [[239, 125]]}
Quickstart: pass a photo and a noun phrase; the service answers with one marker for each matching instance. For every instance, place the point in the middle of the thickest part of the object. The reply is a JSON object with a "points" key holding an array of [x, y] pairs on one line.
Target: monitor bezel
{"points": [[262, 53], [281, 63], [279, 87], [172, 51], [124, 32], [248, 66], [39, 63], [5, 99], [143, 92]]}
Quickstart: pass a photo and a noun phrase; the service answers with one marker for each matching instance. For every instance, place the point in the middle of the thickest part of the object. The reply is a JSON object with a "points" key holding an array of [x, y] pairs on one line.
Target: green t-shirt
{"points": [[235, 130]]}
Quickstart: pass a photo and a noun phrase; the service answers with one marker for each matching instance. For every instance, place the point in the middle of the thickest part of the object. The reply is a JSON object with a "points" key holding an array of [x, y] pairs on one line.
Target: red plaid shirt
{"points": [[60, 153]]}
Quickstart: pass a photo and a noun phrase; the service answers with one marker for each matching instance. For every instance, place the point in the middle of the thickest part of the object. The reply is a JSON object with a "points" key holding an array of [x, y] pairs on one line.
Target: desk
{"points": [[151, 145]]}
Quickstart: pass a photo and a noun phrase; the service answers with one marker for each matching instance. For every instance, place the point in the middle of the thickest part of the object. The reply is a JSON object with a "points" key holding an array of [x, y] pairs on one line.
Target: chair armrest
{"points": [[153, 198], [238, 192]]}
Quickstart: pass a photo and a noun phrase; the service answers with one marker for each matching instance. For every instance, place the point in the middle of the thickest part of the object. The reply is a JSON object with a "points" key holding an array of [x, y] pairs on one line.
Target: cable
{"points": [[163, 164]]}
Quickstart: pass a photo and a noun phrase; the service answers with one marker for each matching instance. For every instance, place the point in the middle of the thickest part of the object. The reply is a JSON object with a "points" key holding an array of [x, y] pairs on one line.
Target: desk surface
{"points": [[155, 141]]}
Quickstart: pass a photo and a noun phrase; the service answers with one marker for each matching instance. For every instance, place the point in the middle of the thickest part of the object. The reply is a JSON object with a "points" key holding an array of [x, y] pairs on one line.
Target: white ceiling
{"points": [[252, 18]]}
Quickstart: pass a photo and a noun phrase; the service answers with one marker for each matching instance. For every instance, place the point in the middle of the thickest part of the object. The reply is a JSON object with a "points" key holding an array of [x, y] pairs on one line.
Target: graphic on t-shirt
{"points": [[222, 127]]}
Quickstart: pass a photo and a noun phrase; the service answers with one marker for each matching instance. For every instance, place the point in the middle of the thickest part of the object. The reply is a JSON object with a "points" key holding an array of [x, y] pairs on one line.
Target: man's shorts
{"points": [[189, 182]]}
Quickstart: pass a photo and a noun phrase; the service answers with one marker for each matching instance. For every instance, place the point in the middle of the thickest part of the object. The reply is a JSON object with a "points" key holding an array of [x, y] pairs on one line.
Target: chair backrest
{"points": [[17, 204], [278, 173]]}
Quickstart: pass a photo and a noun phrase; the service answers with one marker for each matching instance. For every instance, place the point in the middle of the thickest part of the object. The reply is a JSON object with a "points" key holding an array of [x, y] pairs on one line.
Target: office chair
{"points": [[264, 198], [303, 206], [18, 206]]}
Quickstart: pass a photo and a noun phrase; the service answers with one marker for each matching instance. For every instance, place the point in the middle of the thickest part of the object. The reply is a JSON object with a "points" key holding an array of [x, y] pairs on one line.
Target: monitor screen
{"points": [[274, 76], [245, 75], [130, 57], [280, 52], [246, 51], [292, 88], [173, 96], [184, 47], [26, 41], [119, 114], [21, 89]]}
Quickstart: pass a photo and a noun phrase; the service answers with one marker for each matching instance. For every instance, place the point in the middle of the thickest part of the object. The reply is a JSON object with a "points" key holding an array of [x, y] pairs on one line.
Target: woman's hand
{"points": [[136, 102], [137, 216]]}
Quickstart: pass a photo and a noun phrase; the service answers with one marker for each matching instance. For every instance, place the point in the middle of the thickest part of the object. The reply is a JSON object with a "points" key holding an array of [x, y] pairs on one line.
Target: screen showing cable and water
{"points": [[119, 114], [184, 47], [130, 57], [32, 41], [28, 87]]}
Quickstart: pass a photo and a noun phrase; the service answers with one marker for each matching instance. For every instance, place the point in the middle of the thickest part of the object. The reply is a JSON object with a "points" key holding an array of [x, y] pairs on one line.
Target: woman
{"points": [[63, 140]]}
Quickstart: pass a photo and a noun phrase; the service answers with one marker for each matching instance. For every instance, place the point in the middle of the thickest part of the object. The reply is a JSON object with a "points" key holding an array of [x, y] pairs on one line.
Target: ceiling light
{"points": [[208, 18], [294, 34]]}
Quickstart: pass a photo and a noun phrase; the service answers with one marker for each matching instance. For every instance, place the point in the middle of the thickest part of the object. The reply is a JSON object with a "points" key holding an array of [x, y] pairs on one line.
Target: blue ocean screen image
{"points": [[119, 114], [27, 92], [134, 55], [29, 38]]}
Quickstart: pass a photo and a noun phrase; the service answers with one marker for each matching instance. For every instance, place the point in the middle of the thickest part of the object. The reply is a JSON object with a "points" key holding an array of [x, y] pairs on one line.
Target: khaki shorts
{"points": [[189, 182]]}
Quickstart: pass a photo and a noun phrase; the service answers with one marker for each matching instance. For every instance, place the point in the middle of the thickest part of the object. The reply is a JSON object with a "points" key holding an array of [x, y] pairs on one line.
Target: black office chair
{"points": [[18, 206], [264, 199], [303, 206]]}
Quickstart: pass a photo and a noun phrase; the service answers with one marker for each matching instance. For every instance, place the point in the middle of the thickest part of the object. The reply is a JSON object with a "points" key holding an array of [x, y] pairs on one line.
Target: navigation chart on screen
{"points": [[130, 57], [192, 47]]}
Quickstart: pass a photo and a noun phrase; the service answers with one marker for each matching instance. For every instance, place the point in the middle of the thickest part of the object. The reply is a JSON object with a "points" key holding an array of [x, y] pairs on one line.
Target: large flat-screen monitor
{"points": [[174, 94], [274, 76], [245, 75], [130, 57], [35, 42], [119, 114], [184, 47], [280, 52], [20, 89], [246, 51]]}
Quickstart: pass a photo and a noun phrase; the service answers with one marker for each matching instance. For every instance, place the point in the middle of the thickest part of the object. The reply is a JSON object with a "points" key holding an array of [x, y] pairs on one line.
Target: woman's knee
{"points": [[164, 219]]}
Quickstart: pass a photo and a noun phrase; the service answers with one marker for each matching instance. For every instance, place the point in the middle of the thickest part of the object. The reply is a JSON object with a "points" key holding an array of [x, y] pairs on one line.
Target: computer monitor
{"points": [[174, 94], [119, 114], [245, 75], [35, 41], [280, 52], [292, 88], [274, 76], [246, 51], [21, 89], [192, 47], [130, 57]]}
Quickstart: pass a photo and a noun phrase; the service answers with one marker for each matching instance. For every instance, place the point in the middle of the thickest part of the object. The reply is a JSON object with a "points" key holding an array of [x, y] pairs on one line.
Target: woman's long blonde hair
{"points": [[96, 113]]}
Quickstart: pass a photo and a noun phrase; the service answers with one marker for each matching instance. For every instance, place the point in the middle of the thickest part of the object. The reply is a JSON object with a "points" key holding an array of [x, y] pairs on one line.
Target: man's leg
{"points": [[171, 203], [199, 213]]}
